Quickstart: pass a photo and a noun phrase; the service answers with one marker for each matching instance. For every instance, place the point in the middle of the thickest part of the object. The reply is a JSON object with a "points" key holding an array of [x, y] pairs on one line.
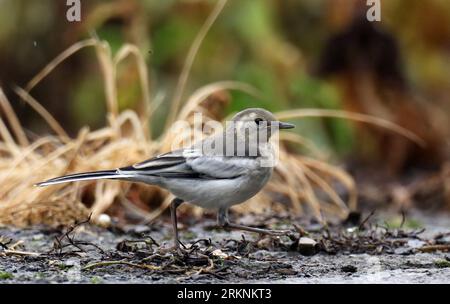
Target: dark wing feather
{"points": [[171, 165], [162, 161], [188, 163]]}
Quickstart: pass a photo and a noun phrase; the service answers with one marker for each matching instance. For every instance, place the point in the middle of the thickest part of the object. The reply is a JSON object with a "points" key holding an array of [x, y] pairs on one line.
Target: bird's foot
{"points": [[180, 249]]}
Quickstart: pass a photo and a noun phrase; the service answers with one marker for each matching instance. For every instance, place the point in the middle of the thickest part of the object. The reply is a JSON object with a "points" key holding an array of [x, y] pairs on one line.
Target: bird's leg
{"points": [[176, 202], [222, 219]]}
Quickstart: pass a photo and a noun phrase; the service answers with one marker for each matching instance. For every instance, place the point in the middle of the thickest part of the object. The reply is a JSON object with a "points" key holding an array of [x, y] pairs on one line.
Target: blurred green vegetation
{"points": [[272, 45]]}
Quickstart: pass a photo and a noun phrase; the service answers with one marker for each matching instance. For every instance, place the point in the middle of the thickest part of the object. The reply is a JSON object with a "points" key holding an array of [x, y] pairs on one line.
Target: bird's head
{"points": [[259, 120]]}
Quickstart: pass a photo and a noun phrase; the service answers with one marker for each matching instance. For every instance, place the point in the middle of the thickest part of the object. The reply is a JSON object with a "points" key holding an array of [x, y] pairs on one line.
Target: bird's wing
{"points": [[190, 163], [165, 160], [171, 164], [222, 167]]}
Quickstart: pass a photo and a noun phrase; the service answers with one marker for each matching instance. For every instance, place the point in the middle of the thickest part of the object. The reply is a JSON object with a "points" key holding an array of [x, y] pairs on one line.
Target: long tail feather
{"points": [[106, 174]]}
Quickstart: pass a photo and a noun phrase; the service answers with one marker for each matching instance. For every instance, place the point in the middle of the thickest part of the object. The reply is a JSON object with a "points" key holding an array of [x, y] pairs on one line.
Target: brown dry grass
{"points": [[125, 139]]}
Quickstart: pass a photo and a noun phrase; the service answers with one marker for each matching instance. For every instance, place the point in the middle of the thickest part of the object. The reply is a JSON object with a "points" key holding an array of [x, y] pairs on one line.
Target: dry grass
{"points": [[298, 181]]}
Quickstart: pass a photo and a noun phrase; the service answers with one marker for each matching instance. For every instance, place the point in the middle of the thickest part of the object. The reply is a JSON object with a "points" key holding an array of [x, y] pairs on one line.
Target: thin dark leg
{"points": [[176, 202], [222, 219]]}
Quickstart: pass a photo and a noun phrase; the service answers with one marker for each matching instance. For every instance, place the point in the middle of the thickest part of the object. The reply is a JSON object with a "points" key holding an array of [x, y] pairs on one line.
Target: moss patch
{"points": [[5, 275]]}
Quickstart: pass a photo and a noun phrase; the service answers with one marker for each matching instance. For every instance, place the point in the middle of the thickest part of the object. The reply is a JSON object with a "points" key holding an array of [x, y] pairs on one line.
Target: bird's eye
{"points": [[258, 120]]}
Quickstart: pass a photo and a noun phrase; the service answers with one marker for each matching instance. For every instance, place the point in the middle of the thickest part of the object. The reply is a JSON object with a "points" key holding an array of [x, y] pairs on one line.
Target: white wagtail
{"points": [[221, 171]]}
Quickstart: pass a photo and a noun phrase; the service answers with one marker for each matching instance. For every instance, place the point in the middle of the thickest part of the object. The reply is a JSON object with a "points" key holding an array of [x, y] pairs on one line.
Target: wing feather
{"points": [[189, 163], [223, 167]]}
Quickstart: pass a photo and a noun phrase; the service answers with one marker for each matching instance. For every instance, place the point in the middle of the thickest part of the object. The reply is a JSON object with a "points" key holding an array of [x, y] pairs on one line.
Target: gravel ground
{"points": [[136, 254]]}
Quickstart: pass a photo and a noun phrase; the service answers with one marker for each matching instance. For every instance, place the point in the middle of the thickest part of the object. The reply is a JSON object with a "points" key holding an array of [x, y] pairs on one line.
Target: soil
{"points": [[372, 250]]}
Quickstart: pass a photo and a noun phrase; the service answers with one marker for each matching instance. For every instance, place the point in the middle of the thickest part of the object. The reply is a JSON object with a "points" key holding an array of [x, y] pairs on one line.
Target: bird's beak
{"points": [[285, 125]]}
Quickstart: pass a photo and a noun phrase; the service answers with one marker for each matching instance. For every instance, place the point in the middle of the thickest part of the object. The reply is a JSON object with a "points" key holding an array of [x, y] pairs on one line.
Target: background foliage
{"points": [[276, 46]]}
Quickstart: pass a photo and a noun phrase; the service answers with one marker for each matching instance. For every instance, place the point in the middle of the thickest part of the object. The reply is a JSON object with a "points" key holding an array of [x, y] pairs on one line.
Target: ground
{"points": [[366, 252]]}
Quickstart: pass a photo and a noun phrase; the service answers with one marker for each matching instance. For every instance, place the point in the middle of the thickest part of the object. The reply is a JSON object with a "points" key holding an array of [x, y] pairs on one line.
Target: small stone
{"points": [[352, 229], [416, 243], [307, 246], [404, 251], [38, 237], [219, 253], [104, 220]]}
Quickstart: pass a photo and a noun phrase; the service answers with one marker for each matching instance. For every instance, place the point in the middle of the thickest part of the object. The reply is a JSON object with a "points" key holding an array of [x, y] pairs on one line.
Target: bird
{"points": [[222, 170]]}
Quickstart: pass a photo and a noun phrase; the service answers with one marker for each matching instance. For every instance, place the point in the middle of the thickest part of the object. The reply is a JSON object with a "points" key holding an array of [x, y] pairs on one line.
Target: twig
{"points": [[432, 248], [403, 218], [18, 252], [71, 239], [193, 247], [361, 226], [208, 269], [108, 263], [13, 246], [300, 230]]}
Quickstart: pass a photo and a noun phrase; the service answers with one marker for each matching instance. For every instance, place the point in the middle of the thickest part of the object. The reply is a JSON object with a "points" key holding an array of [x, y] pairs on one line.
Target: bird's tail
{"points": [[106, 174]]}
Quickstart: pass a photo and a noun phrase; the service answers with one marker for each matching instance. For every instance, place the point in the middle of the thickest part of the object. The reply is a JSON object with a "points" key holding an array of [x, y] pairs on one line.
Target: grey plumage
{"points": [[208, 178]]}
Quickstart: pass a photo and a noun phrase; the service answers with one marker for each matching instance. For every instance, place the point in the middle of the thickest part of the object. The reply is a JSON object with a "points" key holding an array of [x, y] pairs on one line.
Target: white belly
{"points": [[218, 193]]}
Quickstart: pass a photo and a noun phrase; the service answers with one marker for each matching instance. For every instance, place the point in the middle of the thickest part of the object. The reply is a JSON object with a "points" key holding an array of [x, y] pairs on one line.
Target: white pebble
{"points": [[104, 220]]}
